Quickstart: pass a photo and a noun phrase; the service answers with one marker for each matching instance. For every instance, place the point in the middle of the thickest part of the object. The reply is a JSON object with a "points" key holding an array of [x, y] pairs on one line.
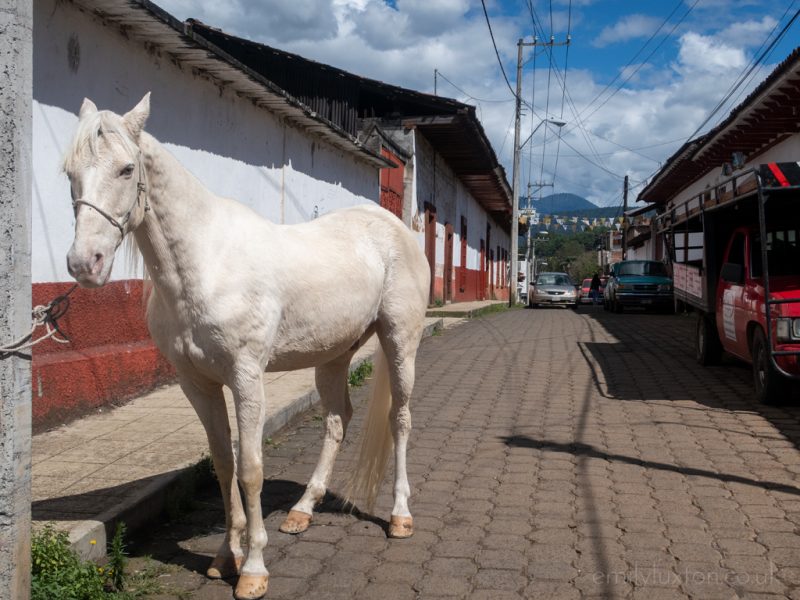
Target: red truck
{"points": [[746, 293]]}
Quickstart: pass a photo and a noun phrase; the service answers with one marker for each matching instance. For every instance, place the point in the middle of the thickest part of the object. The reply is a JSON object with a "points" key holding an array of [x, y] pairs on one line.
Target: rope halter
{"points": [[141, 190]]}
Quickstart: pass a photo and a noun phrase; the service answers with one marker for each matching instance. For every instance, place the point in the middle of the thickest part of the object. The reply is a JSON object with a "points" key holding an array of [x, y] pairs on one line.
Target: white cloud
{"points": [[748, 33], [699, 53], [628, 28], [403, 44]]}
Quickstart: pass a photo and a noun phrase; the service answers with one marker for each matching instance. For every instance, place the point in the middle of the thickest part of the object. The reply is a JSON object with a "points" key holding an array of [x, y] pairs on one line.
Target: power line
{"points": [[537, 30], [636, 70], [470, 96], [497, 53], [563, 89], [741, 79], [635, 56]]}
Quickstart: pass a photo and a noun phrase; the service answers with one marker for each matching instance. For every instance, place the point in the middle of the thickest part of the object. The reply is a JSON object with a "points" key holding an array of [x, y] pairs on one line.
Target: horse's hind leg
{"points": [[401, 352], [331, 380], [208, 401]]}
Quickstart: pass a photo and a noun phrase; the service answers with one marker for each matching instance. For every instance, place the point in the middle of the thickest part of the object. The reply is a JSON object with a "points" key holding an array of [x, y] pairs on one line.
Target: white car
{"points": [[553, 289]]}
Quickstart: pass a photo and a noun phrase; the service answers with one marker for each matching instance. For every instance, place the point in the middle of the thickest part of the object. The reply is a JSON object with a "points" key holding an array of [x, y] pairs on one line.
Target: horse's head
{"points": [[107, 180]]}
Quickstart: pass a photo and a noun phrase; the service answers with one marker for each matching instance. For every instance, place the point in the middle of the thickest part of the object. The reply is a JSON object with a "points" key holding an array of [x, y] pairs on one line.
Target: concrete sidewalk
{"points": [[466, 310], [127, 463]]}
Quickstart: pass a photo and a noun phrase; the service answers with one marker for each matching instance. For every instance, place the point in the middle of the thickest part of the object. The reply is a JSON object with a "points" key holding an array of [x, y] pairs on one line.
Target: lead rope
{"points": [[46, 316]]}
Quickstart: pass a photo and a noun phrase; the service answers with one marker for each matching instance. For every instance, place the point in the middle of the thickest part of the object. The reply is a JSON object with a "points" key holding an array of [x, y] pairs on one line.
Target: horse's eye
{"points": [[127, 171]]}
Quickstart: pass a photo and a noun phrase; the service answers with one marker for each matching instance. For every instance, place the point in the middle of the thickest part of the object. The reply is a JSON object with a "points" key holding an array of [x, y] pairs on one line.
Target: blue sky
{"points": [[663, 85]]}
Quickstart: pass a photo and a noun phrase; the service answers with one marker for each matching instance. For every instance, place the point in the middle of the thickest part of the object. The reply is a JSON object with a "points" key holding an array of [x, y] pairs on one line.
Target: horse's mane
{"points": [[90, 128]]}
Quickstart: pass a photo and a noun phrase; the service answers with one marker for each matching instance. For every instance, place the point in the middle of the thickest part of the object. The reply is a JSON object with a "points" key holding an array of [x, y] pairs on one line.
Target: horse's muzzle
{"points": [[87, 270]]}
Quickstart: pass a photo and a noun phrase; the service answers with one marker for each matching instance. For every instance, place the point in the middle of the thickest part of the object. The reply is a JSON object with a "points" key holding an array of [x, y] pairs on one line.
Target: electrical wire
{"points": [[635, 56], [563, 90], [470, 96], [640, 65], [497, 53], [741, 79]]}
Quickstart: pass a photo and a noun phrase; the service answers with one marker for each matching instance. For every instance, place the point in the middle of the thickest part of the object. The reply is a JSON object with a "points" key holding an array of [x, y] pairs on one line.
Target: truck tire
{"points": [[770, 386], [617, 306], [707, 347]]}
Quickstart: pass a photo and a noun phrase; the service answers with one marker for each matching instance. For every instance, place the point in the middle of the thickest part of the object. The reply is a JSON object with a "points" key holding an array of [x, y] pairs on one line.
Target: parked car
{"points": [[644, 283], [553, 289], [584, 293]]}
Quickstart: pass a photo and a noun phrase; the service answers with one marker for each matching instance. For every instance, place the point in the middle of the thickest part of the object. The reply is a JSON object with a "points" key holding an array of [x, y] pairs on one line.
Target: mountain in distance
{"points": [[558, 204], [571, 205]]}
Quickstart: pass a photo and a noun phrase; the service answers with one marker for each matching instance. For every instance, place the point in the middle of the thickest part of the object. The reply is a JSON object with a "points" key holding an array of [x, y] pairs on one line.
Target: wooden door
{"points": [[462, 284], [430, 246], [448, 262], [482, 281], [392, 185]]}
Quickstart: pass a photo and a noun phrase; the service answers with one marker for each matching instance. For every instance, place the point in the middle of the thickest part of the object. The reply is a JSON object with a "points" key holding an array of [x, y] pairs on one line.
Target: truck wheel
{"points": [[617, 306], [771, 387], [708, 349]]}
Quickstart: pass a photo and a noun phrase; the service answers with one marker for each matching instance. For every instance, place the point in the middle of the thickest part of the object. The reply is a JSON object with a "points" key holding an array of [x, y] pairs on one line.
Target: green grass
{"points": [[58, 573], [360, 374]]}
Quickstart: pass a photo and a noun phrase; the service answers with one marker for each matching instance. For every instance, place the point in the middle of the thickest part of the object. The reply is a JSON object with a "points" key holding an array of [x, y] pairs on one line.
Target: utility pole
{"points": [[16, 84], [625, 219], [512, 292]]}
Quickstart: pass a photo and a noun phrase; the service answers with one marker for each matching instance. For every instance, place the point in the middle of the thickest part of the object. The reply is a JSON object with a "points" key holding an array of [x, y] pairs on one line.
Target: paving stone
{"points": [[532, 479]]}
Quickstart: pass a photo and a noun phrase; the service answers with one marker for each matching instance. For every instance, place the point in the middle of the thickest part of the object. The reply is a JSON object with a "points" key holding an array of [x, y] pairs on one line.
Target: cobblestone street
{"points": [[554, 454]]}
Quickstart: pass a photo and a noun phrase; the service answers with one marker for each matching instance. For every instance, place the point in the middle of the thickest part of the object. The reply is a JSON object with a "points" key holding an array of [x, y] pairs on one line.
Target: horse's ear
{"points": [[87, 108], [136, 117]]}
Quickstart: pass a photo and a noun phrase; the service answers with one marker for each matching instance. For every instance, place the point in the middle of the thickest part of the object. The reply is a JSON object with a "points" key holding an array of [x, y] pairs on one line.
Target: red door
{"points": [[485, 281], [482, 283], [392, 185], [462, 284], [430, 246], [491, 274], [448, 262]]}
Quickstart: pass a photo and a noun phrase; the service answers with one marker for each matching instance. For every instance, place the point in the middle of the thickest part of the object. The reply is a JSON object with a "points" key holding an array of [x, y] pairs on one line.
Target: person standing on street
{"points": [[594, 289]]}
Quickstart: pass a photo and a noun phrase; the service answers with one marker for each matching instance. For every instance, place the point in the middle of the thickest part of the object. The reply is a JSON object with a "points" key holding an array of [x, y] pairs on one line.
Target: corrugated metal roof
{"points": [[770, 114], [146, 22], [452, 127]]}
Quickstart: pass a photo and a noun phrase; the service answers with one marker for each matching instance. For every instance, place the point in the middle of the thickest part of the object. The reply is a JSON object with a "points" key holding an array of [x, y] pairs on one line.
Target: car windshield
{"points": [[552, 279], [586, 283], [644, 267]]}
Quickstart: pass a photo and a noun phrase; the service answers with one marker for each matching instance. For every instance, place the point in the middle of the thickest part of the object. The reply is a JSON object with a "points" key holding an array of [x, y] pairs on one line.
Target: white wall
{"points": [[436, 184], [237, 149]]}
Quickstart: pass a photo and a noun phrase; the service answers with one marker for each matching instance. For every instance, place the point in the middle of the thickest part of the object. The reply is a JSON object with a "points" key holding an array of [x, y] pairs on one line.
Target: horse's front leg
{"points": [[248, 393], [208, 401], [331, 380]]}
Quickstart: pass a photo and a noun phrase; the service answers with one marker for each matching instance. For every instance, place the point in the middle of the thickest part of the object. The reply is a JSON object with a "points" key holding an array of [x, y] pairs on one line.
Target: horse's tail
{"points": [[376, 438]]}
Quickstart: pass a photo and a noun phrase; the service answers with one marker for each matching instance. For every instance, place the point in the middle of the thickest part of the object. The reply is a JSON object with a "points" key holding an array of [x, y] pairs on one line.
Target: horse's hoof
{"points": [[251, 587], [295, 522], [401, 527], [223, 567]]}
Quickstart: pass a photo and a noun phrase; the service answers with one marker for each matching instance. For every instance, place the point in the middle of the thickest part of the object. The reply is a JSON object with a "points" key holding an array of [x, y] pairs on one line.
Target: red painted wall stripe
{"points": [[110, 357]]}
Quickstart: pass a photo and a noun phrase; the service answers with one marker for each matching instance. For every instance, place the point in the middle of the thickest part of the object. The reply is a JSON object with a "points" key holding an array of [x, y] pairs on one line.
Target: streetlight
{"points": [[555, 122]]}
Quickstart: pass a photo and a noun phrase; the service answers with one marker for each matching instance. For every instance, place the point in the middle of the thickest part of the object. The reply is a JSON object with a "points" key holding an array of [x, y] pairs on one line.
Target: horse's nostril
{"points": [[96, 264]]}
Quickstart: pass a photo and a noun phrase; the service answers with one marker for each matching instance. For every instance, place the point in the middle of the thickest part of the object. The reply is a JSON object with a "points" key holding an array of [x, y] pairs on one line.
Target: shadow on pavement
{"points": [[586, 450], [653, 360]]}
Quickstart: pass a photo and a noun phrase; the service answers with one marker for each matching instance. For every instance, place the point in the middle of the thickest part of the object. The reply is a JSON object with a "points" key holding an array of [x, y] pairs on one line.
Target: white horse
{"points": [[235, 295]]}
